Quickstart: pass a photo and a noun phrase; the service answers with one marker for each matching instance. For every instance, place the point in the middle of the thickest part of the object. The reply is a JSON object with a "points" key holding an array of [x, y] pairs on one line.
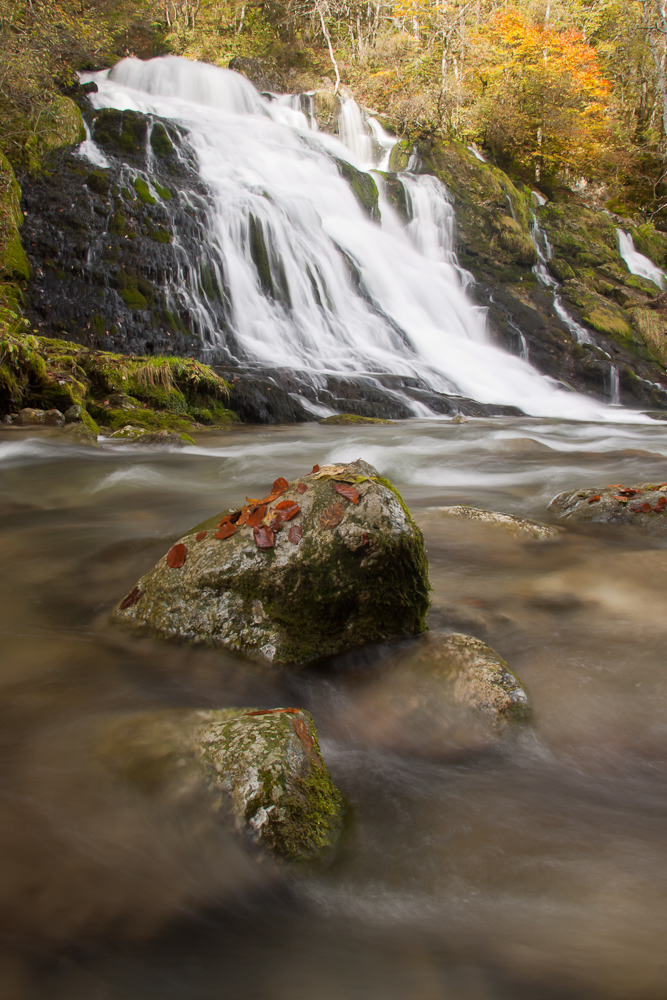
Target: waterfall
{"points": [[311, 283], [637, 263], [544, 254]]}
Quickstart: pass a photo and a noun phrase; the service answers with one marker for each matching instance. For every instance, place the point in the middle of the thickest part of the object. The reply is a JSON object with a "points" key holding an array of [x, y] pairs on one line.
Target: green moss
{"points": [[363, 186], [164, 192], [15, 264], [133, 299], [120, 131], [352, 418], [143, 191], [149, 420], [160, 235], [97, 181], [160, 141]]}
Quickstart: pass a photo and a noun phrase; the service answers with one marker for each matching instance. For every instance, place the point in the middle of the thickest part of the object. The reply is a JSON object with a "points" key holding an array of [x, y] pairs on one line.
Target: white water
{"points": [[637, 263], [409, 315], [545, 253]]}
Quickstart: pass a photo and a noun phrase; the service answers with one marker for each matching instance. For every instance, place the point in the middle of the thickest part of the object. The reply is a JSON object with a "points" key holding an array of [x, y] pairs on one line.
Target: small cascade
{"points": [[614, 386], [295, 275], [544, 254], [637, 263]]}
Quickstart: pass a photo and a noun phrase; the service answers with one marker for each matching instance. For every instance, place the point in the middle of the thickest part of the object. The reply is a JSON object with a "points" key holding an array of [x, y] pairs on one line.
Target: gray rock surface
{"points": [[337, 574], [643, 504], [518, 527], [258, 772]]}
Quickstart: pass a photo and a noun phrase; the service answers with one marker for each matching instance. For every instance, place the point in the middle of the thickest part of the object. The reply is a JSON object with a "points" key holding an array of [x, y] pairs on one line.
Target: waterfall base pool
{"points": [[536, 869]]}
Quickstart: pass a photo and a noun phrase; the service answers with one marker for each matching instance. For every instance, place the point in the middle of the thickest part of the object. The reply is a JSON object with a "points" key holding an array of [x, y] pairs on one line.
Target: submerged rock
{"points": [[440, 695], [518, 527], [352, 418], [347, 568], [258, 772], [644, 504]]}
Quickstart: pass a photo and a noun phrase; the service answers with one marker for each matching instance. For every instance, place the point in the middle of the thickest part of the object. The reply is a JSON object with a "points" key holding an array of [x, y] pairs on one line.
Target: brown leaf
{"points": [[593, 499], [131, 599], [256, 516], [331, 516], [661, 503], [200, 536], [645, 507], [286, 510], [301, 488], [302, 731], [225, 530], [628, 491], [295, 534], [176, 556], [264, 538], [244, 515], [274, 711], [280, 485], [316, 468], [230, 518], [349, 492]]}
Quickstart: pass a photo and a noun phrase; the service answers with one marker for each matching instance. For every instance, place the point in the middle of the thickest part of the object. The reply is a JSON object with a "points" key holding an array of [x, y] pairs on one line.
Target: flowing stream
{"points": [[531, 869], [347, 294]]}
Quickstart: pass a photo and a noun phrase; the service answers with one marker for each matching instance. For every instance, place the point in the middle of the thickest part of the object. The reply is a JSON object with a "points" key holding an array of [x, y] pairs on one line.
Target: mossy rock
{"points": [[160, 140], [143, 191], [352, 418], [98, 181], [600, 314], [326, 107], [150, 420], [122, 133], [14, 264], [642, 504], [357, 575], [257, 773], [363, 186], [651, 327]]}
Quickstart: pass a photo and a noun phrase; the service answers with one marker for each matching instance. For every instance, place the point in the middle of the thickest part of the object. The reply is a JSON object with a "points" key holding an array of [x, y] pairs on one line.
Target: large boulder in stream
{"points": [[323, 564], [643, 505], [258, 772]]}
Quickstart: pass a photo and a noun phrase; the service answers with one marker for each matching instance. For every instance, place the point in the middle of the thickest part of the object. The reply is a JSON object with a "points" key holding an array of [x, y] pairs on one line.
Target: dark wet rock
{"points": [[357, 575], [519, 527], [643, 504], [441, 695], [73, 413], [260, 773], [54, 418], [352, 418]]}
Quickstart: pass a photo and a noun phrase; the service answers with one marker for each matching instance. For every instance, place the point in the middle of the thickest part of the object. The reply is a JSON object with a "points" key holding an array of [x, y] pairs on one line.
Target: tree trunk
{"points": [[655, 18]]}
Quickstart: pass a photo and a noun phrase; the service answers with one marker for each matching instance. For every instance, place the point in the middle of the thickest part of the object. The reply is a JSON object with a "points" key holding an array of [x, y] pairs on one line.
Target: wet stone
{"points": [[517, 527], [357, 575], [641, 504]]}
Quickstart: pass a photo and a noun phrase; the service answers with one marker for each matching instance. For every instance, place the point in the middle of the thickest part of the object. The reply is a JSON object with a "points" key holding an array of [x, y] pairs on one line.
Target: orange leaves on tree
{"points": [[131, 599], [226, 530], [295, 534], [264, 537], [176, 556], [349, 492], [332, 516]]}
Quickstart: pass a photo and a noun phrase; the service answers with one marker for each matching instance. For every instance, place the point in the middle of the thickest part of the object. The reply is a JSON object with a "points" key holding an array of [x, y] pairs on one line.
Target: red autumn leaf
{"points": [[629, 491], [225, 530], [200, 536], [301, 488], [349, 492], [614, 486], [176, 556], [131, 599], [274, 711], [593, 499], [620, 499], [264, 538], [645, 507], [331, 516], [295, 534], [244, 515], [316, 468], [661, 503], [280, 485], [230, 518], [302, 731], [364, 538], [286, 510], [256, 516]]}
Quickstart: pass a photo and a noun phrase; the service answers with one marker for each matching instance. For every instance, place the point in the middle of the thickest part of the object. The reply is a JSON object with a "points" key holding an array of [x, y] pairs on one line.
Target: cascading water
{"points": [[311, 283], [637, 263]]}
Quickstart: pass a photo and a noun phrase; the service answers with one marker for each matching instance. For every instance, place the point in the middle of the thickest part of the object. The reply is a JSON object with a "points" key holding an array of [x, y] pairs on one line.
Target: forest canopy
{"points": [[558, 92]]}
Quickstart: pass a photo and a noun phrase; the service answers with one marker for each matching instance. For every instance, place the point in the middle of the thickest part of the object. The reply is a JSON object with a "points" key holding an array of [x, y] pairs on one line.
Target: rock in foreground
{"points": [[644, 505], [321, 565], [258, 772], [440, 696]]}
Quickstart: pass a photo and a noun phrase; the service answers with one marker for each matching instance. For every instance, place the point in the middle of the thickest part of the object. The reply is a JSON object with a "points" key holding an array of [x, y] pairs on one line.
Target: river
{"points": [[533, 868]]}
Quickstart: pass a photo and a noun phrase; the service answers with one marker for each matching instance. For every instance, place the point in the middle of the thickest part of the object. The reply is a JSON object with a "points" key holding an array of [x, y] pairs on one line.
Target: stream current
{"points": [[535, 868]]}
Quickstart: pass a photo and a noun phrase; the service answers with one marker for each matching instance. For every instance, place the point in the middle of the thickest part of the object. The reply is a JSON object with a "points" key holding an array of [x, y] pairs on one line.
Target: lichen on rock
{"points": [[643, 505], [356, 574], [518, 527], [257, 772]]}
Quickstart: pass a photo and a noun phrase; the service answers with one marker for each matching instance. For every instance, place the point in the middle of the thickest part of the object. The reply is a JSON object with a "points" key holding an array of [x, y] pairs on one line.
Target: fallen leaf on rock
{"points": [[316, 468], [331, 516], [131, 599], [645, 507], [594, 499], [200, 536], [295, 534], [280, 485], [286, 510], [264, 537], [301, 488], [230, 518], [251, 502], [349, 492], [629, 491], [274, 711], [244, 515], [176, 556], [327, 471], [661, 503], [621, 499], [225, 530], [302, 731], [256, 516]]}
